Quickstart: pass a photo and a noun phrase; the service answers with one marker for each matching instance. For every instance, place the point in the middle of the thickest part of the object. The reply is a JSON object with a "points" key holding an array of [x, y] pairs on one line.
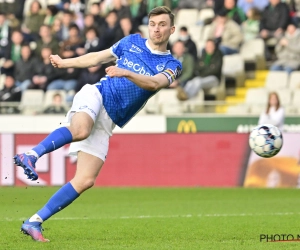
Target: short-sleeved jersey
{"points": [[122, 98]]}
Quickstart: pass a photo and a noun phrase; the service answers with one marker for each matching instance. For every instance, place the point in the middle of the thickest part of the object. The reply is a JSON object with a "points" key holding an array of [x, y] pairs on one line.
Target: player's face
{"points": [[160, 29]]}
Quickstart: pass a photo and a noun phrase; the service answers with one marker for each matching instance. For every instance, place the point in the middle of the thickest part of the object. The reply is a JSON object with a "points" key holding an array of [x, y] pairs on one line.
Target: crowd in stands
{"points": [[72, 28]]}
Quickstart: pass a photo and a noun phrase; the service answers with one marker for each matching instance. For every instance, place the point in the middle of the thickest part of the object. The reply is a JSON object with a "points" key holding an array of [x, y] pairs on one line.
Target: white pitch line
{"points": [[163, 216]]}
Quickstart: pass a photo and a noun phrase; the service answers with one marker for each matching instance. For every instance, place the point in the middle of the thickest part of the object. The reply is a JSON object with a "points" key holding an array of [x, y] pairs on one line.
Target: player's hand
{"points": [[56, 61], [114, 71]]}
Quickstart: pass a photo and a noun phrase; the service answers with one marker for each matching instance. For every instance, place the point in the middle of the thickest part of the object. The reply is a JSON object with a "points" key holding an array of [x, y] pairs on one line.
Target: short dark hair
{"points": [[162, 10], [74, 26], [93, 28], [183, 28]]}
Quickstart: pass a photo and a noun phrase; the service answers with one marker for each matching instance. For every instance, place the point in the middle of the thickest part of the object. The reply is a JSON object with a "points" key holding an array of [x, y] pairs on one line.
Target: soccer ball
{"points": [[266, 140]]}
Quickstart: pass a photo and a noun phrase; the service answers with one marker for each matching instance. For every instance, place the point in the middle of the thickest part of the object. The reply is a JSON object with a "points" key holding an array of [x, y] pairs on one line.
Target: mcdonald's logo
{"points": [[186, 127]]}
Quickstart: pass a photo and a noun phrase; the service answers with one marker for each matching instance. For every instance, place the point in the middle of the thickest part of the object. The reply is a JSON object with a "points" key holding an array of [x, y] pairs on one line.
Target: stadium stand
{"points": [[245, 74]]}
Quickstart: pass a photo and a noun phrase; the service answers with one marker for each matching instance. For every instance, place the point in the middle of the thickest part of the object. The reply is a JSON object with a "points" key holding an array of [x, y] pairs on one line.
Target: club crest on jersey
{"points": [[135, 49], [160, 67]]}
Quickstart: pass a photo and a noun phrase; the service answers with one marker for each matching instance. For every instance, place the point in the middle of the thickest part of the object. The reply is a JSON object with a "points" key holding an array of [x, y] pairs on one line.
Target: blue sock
{"points": [[53, 141], [61, 199]]}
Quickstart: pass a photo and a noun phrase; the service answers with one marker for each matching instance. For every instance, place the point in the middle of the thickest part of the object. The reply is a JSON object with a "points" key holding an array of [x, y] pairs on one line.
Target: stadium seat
{"points": [[168, 102], [256, 100], [276, 80], [54, 2], [256, 96], [195, 31], [144, 30], [295, 107], [203, 38], [195, 104], [254, 50], [2, 80], [2, 60], [240, 109], [233, 66], [285, 97], [205, 14], [48, 97], [186, 17], [294, 82], [218, 92], [32, 101], [152, 106]]}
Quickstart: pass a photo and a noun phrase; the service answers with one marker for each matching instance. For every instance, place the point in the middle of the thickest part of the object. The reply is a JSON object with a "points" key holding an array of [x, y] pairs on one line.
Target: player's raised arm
{"points": [[151, 83], [84, 61]]}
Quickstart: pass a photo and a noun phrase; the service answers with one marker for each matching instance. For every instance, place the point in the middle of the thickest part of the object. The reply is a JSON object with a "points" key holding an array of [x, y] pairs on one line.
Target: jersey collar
{"points": [[156, 51]]}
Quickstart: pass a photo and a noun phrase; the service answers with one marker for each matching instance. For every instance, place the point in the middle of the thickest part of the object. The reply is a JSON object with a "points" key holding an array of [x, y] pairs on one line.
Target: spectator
{"points": [[44, 73], [122, 10], [179, 52], [13, 8], [24, 68], [57, 106], [294, 6], [89, 22], [95, 12], [111, 30], [10, 93], [138, 10], [56, 29], [67, 20], [126, 26], [208, 72], [185, 37], [92, 42], [274, 114], [275, 19], [69, 47], [33, 21], [51, 13], [251, 26], [288, 51], [90, 76], [226, 33], [14, 52], [246, 5], [46, 39], [234, 12], [75, 6], [5, 33], [67, 81]]}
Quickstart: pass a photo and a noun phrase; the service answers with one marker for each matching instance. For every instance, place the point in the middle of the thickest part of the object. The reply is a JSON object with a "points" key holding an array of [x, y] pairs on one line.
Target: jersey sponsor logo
{"points": [[135, 49], [136, 67], [160, 67]]}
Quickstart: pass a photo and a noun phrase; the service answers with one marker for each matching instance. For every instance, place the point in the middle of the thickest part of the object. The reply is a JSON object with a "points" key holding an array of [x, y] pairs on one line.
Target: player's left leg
{"points": [[88, 168]]}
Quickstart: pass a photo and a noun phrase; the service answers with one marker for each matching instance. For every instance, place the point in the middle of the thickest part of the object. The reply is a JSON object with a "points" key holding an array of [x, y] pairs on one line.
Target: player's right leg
{"points": [[86, 106]]}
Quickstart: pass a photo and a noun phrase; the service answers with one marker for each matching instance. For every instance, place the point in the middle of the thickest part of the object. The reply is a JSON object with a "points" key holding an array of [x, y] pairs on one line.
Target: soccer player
{"points": [[143, 67]]}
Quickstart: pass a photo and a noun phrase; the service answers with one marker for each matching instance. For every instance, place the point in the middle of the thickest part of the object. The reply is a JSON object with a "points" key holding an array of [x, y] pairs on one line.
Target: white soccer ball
{"points": [[266, 140]]}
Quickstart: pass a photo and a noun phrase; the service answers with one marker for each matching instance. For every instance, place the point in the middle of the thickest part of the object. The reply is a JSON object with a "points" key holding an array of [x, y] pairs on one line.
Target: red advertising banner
{"points": [[208, 160]]}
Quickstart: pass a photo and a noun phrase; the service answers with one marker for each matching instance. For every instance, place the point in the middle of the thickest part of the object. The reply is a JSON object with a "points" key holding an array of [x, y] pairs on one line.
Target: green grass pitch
{"points": [[155, 219]]}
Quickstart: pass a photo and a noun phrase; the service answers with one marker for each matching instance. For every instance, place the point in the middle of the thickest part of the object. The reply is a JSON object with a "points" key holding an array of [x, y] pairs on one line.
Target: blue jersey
{"points": [[122, 98]]}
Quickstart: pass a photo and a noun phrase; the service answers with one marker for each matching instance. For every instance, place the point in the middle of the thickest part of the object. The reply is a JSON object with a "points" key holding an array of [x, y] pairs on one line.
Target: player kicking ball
{"points": [[144, 66]]}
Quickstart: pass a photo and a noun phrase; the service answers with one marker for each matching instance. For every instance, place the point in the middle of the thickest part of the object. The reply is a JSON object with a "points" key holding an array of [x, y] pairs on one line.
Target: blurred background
{"points": [[241, 67]]}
